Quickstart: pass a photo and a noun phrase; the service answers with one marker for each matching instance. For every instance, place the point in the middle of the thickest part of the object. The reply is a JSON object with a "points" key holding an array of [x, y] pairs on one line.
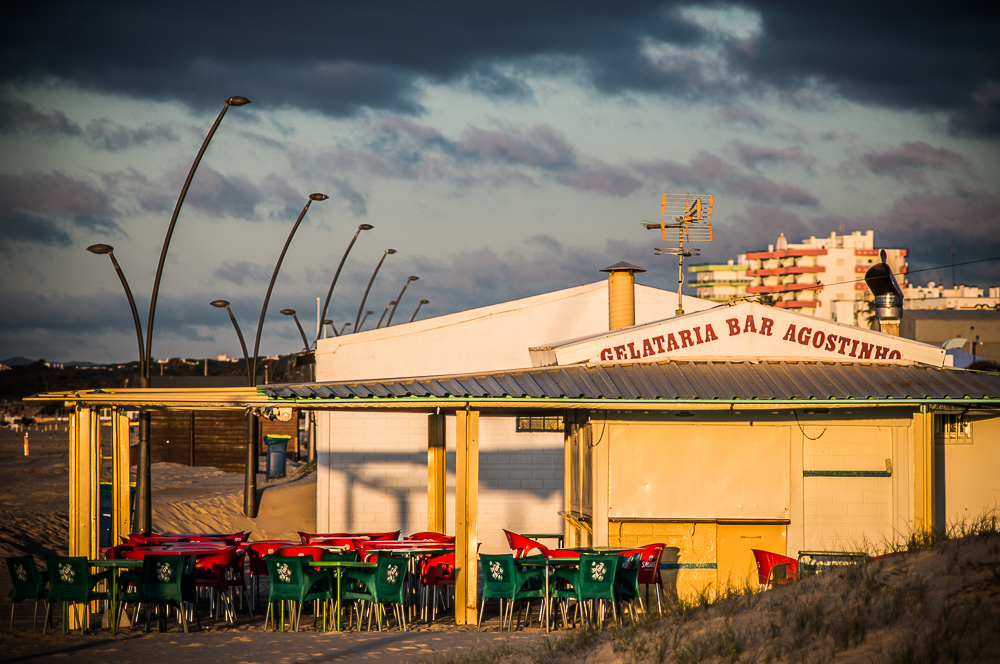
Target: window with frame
{"points": [[952, 429], [539, 423]]}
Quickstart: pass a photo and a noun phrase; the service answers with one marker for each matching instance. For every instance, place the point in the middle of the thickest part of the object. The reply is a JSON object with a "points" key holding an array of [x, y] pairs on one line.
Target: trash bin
{"points": [[277, 449]]}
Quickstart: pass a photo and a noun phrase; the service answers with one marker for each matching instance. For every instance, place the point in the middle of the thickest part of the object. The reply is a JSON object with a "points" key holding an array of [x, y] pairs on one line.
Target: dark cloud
{"points": [[220, 195], [708, 174], [20, 116], [242, 272], [44, 208], [540, 146], [341, 57], [753, 156], [909, 162], [927, 224], [107, 135]]}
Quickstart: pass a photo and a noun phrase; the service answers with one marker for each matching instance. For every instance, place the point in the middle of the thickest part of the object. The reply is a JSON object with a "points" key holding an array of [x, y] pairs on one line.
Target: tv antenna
{"points": [[689, 215]]}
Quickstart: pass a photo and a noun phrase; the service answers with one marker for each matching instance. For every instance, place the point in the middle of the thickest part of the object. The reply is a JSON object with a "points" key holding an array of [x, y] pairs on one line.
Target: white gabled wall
{"points": [[373, 476], [372, 465]]}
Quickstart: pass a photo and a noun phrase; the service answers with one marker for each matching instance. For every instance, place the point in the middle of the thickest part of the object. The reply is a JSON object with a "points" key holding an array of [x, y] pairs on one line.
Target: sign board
{"points": [[745, 330]]}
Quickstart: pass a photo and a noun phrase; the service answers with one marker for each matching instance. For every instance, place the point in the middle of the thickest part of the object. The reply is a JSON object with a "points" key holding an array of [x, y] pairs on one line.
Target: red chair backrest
{"points": [[430, 536], [438, 570], [522, 546], [382, 536], [322, 540], [256, 552], [116, 552], [288, 551], [649, 564], [766, 560]]}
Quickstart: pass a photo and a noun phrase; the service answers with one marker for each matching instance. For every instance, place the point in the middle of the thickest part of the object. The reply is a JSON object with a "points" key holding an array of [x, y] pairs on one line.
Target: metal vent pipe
{"points": [[621, 294]]}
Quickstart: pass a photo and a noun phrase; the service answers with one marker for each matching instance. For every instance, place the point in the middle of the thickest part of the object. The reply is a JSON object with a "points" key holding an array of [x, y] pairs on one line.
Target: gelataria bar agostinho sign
{"points": [[745, 330]]}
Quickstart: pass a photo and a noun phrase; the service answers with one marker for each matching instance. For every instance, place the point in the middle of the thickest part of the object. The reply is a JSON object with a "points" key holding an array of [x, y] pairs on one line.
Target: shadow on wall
{"points": [[498, 470]]}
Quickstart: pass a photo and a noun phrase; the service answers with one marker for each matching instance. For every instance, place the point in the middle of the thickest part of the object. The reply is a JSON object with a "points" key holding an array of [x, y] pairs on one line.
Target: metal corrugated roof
{"points": [[696, 380]]}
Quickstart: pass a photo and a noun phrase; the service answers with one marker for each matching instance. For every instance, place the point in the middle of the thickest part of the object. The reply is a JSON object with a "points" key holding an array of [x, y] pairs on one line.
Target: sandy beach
{"points": [[33, 520]]}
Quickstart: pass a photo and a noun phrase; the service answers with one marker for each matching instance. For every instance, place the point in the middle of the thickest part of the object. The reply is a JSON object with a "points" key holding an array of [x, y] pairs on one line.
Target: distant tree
{"points": [[984, 365]]}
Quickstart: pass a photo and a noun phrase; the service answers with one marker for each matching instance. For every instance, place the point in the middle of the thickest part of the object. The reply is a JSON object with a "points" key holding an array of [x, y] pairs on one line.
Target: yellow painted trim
{"points": [[436, 473], [120, 524], [466, 515]]}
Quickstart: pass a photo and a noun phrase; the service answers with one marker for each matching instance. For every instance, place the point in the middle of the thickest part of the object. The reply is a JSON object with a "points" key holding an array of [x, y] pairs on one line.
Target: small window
{"points": [[952, 429], [539, 423]]}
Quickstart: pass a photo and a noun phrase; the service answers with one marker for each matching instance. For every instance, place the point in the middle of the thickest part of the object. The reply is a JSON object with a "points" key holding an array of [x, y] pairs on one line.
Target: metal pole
{"points": [[357, 319], [143, 489], [329, 293], [421, 303], [399, 299], [274, 276]]}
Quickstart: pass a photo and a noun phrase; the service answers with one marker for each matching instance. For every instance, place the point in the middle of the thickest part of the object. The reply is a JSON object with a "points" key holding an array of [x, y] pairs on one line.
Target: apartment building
{"points": [[821, 277]]}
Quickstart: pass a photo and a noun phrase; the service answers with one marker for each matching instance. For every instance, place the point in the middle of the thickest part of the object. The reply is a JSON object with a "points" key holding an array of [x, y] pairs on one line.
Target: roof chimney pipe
{"points": [[621, 294], [888, 296]]}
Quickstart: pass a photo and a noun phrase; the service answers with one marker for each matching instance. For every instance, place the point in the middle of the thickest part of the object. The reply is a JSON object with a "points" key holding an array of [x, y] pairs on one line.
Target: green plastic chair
{"points": [[28, 584], [70, 581], [291, 581], [384, 584], [627, 592], [504, 580], [167, 581], [592, 581]]}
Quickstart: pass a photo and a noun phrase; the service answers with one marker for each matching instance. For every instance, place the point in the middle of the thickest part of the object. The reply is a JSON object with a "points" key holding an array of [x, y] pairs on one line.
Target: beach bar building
{"points": [[734, 427]]}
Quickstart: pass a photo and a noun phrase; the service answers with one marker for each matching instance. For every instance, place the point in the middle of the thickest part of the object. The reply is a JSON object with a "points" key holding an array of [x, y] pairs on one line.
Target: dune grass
{"points": [[929, 597]]}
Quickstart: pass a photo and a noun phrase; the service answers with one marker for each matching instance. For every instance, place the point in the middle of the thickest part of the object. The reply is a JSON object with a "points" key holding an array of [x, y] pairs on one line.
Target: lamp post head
{"points": [[424, 301], [237, 101], [327, 321], [221, 304], [100, 248], [365, 227], [369, 312], [412, 278], [390, 251], [318, 197], [288, 312]]}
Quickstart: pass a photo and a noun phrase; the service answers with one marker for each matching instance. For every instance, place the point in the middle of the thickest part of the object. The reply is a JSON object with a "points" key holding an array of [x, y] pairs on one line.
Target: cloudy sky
{"points": [[504, 150]]}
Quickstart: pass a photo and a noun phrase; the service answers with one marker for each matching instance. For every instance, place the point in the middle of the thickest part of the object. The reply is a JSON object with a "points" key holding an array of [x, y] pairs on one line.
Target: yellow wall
{"points": [[703, 470], [968, 473], [715, 485]]}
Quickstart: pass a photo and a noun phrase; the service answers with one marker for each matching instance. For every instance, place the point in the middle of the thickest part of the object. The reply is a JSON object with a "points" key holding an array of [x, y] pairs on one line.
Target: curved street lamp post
{"points": [[362, 323], [250, 480], [143, 504], [400, 298], [422, 303], [302, 333], [384, 312], [357, 319], [329, 293]]}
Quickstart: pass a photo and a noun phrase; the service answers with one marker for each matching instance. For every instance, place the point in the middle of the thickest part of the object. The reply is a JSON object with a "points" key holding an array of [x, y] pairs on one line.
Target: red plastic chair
{"points": [[430, 536], [560, 553], [255, 553], [211, 572], [322, 540], [291, 550], [382, 536], [435, 572], [768, 565], [522, 546], [649, 570]]}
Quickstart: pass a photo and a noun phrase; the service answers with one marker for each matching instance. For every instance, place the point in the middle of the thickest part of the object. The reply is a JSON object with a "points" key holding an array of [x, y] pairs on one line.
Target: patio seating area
{"points": [[354, 581]]}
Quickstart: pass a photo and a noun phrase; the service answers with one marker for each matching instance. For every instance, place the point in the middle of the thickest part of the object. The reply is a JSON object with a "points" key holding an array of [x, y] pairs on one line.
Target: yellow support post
{"points": [[466, 515], [436, 473], [84, 466], [121, 514], [923, 471]]}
